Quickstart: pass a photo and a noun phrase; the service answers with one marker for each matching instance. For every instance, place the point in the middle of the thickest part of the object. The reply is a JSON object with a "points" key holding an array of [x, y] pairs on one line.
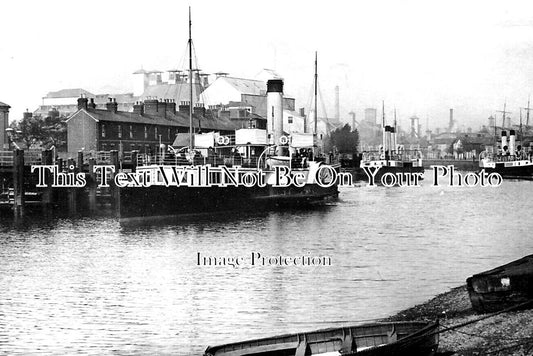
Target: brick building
{"points": [[152, 122]]}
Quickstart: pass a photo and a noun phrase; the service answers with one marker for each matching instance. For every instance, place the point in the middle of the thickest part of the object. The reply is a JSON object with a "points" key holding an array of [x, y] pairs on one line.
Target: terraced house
{"points": [[152, 122]]}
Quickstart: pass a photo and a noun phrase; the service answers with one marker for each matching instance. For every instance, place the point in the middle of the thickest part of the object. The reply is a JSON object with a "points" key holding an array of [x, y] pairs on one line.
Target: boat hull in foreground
{"points": [[502, 287], [393, 338]]}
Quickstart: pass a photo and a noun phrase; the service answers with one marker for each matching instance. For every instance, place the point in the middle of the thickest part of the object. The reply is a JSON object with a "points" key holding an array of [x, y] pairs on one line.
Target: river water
{"points": [[90, 286]]}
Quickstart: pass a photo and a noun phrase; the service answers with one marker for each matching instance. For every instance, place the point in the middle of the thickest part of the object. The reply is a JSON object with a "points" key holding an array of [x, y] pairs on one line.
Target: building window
{"points": [[103, 130], [290, 119], [155, 132], [131, 131], [168, 134], [146, 132], [119, 131]]}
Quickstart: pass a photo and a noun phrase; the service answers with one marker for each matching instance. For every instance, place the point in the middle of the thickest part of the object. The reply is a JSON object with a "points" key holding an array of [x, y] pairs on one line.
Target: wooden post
{"points": [[18, 182], [134, 160], [46, 198], [91, 182], [80, 161], [115, 193], [59, 163], [72, 192]]}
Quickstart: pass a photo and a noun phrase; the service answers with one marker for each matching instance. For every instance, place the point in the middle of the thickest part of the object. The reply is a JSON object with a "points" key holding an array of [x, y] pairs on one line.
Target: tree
{"points": [[54, 131], [344, 139], [35, 131]]}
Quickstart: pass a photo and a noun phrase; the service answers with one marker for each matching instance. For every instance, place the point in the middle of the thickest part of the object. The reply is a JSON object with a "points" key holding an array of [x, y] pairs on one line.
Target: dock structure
{"points": [[19, 191]]}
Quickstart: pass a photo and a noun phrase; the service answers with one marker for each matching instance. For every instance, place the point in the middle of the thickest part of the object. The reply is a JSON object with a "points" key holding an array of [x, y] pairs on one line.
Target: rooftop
{"points": [[69, 93], [179, 91], [180, 119], [246, 86]]}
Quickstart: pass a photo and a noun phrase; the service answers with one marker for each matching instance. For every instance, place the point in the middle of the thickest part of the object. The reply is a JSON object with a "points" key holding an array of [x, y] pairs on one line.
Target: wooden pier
{"points": [[20, 194]]}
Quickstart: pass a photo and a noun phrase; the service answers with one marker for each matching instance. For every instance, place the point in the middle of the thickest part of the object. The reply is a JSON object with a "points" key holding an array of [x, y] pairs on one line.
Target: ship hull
{"points": [[514, 171], [160, 201]]}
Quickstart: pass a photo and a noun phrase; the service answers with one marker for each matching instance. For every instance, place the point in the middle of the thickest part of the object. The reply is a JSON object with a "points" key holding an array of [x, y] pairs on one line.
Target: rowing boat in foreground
{"points": [[502, 287], [393, 338]]}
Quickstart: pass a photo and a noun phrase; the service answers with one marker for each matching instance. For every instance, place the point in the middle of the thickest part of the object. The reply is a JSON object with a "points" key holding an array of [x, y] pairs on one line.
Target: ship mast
{"points": [[191, 135], [527, 114], [383, 114], [528, 109], [503, 112], [521, 124], [316, 92]]}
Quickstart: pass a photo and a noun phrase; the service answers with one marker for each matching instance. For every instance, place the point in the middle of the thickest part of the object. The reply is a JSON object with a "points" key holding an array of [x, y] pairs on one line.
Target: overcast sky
{"points": [[423, 57]]}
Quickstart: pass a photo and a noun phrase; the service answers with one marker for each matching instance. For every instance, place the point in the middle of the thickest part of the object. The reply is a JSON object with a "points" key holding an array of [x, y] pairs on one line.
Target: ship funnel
{"points": [[504, 141], [384, 141], [388, 140], [512, 142], [275, 110], [394, 143]]}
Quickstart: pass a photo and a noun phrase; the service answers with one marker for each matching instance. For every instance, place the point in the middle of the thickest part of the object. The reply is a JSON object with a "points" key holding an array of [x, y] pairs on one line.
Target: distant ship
{"points": [[510, 160], [391, 157]]}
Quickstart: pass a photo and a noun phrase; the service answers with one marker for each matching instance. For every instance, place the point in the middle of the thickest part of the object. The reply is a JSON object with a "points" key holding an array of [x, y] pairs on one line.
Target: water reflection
{"points": [[94, 286]]}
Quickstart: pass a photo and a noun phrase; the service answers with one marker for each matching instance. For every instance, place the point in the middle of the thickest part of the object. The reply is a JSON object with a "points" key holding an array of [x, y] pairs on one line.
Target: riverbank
{"points": [[508, 333]]}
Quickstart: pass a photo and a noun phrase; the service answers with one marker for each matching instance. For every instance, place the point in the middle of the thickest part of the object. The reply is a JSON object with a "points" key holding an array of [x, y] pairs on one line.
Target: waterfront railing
{"points": [[214, 161]]}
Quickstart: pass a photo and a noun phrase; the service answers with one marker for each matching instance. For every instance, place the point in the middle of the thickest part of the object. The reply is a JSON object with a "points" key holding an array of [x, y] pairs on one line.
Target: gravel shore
{"points": [[509, 333]]}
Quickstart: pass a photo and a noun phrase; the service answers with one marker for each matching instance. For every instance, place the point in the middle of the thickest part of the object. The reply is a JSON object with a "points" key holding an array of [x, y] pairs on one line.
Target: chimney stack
{"points": [[171, 106], [82, 102], [162, 107], [112, 105], [92, 105], [450, 124], [184, 106], [151, 106], [199, 110], [138, 108], [4, 124]]}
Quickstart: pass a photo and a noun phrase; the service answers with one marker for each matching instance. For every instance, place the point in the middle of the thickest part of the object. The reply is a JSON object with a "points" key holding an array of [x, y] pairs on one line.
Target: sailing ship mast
{"points": [[504, 112], [503, 120], [521, 124], [527, 114], [191, 135], [528, 109], [395, 121], [316, 93]]}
